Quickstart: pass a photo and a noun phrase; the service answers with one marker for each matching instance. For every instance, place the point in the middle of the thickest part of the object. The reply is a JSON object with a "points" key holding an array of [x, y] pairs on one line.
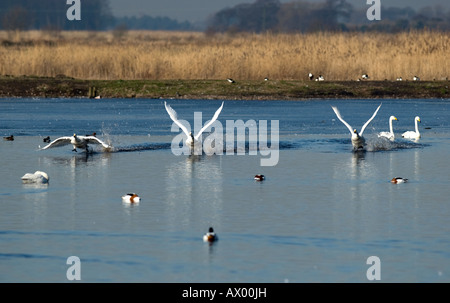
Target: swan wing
{"points": [[338, 114], [95, 140], [368, 121], [214, 118], [173, 115], [58, 142]]}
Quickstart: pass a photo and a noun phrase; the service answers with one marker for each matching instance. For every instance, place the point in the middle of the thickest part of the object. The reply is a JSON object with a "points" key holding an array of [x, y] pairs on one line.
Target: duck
{"points": [[266, 79], [131, 198], [9, 138], [77, 142], [399, 79], [397, 180], [231, 80], [365, 77], [37, 177], [310, 76], [358, 140], [413, 134], [191, 140], [46, 139], [415, 78], [210, 236], [259, 177], [94, 134], [390, 134]]}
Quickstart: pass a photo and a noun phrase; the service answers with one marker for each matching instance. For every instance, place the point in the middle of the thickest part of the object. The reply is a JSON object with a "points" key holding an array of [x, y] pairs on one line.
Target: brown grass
{"points": [[188, 55]]}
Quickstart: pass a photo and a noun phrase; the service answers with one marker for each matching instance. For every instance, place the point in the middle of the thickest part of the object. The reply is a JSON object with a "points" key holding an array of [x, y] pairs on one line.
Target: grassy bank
{"points": [[146, 55], [219, 89]]}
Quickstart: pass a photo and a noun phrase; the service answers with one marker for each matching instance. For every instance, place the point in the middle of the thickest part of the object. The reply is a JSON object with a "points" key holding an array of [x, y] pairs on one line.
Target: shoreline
{"points": [[66, 87]]}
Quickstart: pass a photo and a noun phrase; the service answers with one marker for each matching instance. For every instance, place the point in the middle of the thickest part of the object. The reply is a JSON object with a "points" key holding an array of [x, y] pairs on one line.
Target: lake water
{"points": [[322, 211]]}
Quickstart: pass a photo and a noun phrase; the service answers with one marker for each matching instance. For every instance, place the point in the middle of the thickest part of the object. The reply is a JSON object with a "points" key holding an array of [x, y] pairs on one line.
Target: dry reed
{"points": [[188, 55]]}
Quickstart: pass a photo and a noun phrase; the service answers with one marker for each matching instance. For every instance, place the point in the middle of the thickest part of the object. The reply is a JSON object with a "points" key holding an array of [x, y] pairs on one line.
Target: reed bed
{"points": [[190, 55]]}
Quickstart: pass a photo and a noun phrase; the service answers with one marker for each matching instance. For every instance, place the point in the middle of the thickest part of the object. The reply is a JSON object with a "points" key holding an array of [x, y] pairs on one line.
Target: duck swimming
{"points": [[259, 177], [397, 180], [210, 236], [131, 198]]}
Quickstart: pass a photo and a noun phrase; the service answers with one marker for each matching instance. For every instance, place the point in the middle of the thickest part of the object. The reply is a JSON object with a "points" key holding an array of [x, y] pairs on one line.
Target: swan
{"points": [[37, 177], [77, 142], [357, 138], [390, 134], [191, 139], [413, 134], [399, 180], [210, 236], [131, 198]]}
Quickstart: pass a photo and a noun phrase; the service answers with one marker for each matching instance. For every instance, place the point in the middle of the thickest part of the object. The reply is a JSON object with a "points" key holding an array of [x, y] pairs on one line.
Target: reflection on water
{"points": [[194, 183], [317, 217]]}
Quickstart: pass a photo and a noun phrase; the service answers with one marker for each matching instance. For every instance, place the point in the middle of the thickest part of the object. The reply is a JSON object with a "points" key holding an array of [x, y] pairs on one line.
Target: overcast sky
{"points": [[199, 10]]}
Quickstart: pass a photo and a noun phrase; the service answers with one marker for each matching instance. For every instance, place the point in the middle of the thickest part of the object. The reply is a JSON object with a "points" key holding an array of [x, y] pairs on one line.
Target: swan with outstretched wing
{"points": [[191, 139], [77, 142], [358, 140]]}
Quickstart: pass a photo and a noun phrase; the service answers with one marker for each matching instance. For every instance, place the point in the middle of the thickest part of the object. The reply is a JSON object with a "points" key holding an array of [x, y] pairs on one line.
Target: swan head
{"points": [[393, 118], [74, 135], [418, 119]]}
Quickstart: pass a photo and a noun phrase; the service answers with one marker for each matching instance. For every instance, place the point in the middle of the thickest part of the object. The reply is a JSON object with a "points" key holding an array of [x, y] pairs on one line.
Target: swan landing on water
{"points": [[191, 140], [77, 142], [358, 140]]}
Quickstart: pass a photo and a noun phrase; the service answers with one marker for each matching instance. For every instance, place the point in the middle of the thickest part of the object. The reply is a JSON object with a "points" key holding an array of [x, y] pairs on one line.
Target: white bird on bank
{"points": [[413, 134], [390, 134], [77, 142], [191, 139], [358, 140], [37, 177]]}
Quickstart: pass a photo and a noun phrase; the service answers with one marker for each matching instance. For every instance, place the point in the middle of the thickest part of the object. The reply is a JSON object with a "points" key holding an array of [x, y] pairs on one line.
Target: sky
{"points": [[199, 10]]}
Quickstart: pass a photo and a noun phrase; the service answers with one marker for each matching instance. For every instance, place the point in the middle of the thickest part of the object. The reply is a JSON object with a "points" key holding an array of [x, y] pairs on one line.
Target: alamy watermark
{"points": [[240, 137], [374, 12], [74, 11]]}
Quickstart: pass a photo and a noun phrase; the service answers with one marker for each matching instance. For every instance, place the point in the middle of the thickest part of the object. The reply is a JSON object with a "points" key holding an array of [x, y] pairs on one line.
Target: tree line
{"points": [[330, 15], [259, 16]]}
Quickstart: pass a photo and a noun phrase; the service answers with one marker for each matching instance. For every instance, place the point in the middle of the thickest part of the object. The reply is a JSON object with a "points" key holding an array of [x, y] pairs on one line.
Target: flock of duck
{"points": [[82, 142]]}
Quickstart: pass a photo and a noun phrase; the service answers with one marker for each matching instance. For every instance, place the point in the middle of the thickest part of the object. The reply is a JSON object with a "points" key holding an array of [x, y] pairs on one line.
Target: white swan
{"points": [[390, 134], [77, 142], [37, 177], [191, 139], [357, 138], [413, 134]]}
